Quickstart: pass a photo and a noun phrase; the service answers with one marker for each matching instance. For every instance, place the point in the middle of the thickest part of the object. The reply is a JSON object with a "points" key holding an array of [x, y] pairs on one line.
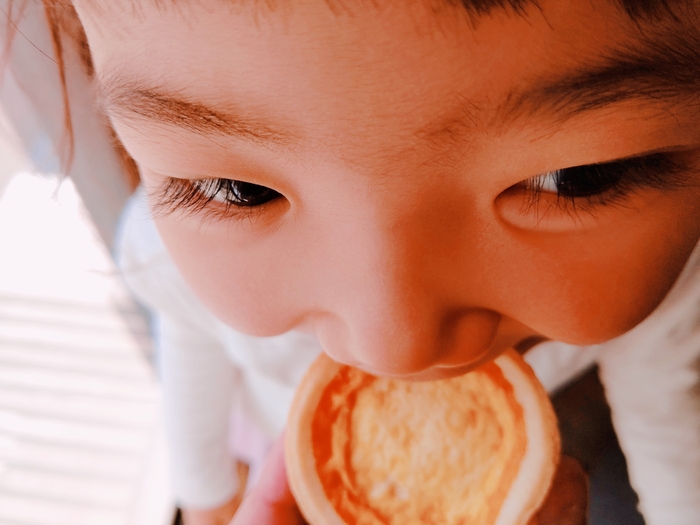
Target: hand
{"points": [[567, 501], [270, 501]]}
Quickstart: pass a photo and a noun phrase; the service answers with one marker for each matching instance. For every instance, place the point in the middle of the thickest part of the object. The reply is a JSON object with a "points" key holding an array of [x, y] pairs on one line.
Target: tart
{"points": [[481, 448]]}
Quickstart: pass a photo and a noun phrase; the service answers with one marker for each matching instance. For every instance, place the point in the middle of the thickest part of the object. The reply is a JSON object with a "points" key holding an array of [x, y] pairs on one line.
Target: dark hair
{"points": [[64, 23], [634, 8]]}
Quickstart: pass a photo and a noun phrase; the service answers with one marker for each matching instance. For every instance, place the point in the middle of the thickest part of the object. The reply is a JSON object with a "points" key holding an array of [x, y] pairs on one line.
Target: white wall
{"points": [[32, 95], [12, 156]]}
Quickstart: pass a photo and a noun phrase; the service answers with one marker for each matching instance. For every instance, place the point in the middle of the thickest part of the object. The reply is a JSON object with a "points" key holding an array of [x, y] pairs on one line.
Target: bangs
{"points": [[636, 9]]}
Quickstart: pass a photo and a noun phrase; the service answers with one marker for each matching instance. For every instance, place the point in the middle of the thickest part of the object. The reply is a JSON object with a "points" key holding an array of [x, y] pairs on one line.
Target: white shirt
{"points": [[651, 377]]}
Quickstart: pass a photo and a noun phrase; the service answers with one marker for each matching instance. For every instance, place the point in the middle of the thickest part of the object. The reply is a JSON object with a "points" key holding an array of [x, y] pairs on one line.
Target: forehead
{"points": [[335, 26], [458, 16], [430, 16], [395, 64]]}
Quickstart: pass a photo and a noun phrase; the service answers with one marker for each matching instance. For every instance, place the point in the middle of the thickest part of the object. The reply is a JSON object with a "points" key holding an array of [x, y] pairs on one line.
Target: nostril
{"points": [[402, 348]]}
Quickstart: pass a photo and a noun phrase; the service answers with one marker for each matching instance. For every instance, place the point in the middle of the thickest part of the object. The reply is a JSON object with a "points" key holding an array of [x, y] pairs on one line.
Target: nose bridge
{"points": [[392, 313], [394, 261], [413, 251], [390, 287]]}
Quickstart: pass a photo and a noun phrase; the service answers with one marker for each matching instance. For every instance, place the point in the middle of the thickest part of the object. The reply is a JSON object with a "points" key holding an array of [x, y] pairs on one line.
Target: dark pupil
{"points": [[247, 194], [586, 181]]}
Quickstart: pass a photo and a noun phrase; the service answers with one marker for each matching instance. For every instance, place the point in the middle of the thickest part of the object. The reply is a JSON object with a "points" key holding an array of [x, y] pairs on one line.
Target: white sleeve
{"points": [[199, 380], [557, 364], [198, 387], [652, 381]]}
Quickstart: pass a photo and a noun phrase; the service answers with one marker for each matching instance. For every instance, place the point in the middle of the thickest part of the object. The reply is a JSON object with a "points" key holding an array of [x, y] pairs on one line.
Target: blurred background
{"points": [[80, 434], [80, 431]]}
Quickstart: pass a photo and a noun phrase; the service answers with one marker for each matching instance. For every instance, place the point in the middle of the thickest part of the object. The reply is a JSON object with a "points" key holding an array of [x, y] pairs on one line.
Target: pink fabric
{"points": [[248, 444]]}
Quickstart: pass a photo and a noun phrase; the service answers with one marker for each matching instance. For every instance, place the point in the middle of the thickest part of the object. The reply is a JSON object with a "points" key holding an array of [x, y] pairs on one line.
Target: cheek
{"points": [[594, 287], [242, 284]]}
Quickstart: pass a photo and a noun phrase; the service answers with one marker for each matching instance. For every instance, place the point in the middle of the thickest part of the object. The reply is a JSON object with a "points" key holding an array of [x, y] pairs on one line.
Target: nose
{"points": [[403, 341], [392, 305]]}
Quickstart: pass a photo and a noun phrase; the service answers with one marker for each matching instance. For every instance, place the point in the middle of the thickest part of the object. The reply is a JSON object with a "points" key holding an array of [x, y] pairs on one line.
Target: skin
{"points": [[406, 246]]}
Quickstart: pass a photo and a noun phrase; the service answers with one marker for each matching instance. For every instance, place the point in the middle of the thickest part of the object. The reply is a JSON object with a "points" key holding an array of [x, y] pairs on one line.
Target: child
{"points": [[422, 184]]}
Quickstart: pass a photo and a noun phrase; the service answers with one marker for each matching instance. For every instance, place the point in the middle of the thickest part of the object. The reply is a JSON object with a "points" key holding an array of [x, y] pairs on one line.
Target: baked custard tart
{"points": [[478, 449]]}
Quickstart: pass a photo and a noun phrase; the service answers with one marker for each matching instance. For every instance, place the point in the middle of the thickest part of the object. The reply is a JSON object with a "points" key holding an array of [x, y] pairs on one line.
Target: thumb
{"points": [[270, 502]]}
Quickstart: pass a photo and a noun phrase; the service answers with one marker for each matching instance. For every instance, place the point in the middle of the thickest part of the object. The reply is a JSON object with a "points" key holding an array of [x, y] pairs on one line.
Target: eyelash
{"points": [[609, 182], [195, 196]]}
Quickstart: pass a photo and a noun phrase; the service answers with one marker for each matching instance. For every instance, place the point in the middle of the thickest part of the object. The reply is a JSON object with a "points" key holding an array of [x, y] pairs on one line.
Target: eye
{"points": [[223, 197], [599, 183], [577, 182], [236, 192], [574, 198]]}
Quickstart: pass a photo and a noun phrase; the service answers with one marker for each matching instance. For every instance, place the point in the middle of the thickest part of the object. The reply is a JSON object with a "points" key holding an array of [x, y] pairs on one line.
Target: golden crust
{"points": [[488, 458], [301, 465], [538, 470]]}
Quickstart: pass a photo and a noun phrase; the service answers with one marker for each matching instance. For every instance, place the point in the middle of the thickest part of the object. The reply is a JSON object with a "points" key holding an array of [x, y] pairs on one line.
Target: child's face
{"points": [[400, 138]]}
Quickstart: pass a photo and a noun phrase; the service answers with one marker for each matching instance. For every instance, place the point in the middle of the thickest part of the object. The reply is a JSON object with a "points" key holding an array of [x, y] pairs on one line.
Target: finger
{"points": [[270, 501], [567, 501]]}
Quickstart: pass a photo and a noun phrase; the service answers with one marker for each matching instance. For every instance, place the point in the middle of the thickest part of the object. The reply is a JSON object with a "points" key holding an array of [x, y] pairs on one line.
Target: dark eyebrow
{"points": [[658, 70], [131, 100], [661, 70]]}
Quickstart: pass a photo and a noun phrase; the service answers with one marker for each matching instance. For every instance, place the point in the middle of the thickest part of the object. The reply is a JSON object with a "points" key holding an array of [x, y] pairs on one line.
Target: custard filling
{"points": [[392, 452]]}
